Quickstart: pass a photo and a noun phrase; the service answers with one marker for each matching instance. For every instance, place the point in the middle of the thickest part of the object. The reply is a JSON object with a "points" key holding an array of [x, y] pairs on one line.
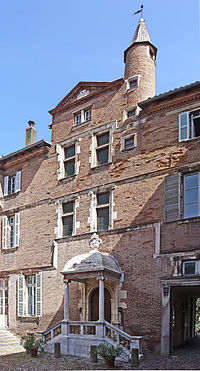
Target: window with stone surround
{"points": [[191, 268], [30, 295], [132, 83], [189, 125], [128, 142], [12, 184], [10, 231], [102, 215], [68, 219], [68, 159], [82, 116]]}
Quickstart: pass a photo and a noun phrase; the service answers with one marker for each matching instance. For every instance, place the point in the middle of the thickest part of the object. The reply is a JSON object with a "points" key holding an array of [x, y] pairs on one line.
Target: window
{"points": [[12, 184], [102, 148], [30, 295], [192, 195], [82, 116], [102, 210], [69, 161], [130, 113], [189, 125], [128, 142], [11, 231], [68, 218], [191, 268], [132, 83]]}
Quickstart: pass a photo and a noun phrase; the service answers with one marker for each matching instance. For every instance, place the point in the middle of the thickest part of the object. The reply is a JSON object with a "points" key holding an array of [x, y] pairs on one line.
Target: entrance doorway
{"points": [[3, 302], [94, 305]]}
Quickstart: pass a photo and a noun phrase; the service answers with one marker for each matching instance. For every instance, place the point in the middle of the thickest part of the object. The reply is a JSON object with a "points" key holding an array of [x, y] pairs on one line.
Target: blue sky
{"points": [[48, 46]]}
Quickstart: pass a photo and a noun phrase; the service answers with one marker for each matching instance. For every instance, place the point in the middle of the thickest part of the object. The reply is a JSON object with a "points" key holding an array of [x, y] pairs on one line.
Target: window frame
{"points": [[60, 149], [189, 189], [23, 296], [81, 113], [127, 137], [12, 183], [130, 88], [197, 267], [186, 123], [10, 231], [103, 206], [68, 214]]}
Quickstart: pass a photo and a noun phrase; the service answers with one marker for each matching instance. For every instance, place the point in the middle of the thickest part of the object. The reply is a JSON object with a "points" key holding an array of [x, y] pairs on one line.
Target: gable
{"points": [[84, 90]]}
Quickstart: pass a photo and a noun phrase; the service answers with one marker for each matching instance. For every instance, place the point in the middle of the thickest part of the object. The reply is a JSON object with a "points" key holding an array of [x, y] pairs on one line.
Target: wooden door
{"points": [[94, 305]]}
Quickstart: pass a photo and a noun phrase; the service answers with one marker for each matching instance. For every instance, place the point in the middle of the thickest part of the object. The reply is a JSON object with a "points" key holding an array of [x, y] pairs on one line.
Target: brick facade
{"points": [[145, 245]]}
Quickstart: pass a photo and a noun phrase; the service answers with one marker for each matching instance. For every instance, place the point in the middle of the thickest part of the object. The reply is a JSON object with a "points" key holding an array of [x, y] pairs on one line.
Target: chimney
{"points": [[30, 134]]}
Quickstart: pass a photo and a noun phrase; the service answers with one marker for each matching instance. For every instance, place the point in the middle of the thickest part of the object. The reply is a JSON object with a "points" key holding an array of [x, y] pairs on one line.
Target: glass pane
{"points": [[131, 113], [189, 268], [191, 181], [103, 198], [103, 218], [87, 115], [191, 210], [67, 225], [69, 152], [191, 195], [102, 156], [129, 143], [68, 207], [103, 139], [77, 119], [69, 168], [133, 83]]}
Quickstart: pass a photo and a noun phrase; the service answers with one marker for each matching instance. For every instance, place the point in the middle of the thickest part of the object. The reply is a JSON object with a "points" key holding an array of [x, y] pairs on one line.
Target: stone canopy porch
{"points": [[99, 276]]}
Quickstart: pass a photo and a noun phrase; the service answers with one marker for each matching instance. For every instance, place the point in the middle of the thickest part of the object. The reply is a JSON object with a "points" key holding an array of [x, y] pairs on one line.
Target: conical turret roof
{"points": [[141, 33]]}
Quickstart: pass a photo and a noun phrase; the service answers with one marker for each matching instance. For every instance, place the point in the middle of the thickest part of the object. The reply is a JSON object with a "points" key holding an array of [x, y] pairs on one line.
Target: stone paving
{"points": [[14, 358]]}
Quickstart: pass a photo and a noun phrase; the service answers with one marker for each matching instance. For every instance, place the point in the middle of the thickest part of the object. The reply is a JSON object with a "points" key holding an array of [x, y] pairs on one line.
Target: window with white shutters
{"points": [[12, 184], [10, 231], [30, 295], [189, 125]]}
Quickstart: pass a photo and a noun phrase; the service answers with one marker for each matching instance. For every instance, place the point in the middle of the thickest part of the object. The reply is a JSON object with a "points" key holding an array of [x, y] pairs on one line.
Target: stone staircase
{"points": [[9, 343]]}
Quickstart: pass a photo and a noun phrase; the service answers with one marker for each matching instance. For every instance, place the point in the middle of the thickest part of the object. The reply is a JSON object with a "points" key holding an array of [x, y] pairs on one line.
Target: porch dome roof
{"points": [[93, 261]]}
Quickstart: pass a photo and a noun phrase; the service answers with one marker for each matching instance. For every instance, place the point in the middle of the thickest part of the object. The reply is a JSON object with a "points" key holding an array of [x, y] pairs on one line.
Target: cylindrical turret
{"points": [[140, 61]]}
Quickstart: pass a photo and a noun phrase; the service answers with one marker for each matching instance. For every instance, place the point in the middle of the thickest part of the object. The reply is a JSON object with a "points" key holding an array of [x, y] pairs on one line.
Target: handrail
{"points": [[121, 332]]}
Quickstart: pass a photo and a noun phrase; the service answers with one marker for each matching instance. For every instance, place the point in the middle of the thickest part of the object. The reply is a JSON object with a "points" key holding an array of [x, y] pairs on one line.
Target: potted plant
{"points": [[31, 343], [108, 353]]}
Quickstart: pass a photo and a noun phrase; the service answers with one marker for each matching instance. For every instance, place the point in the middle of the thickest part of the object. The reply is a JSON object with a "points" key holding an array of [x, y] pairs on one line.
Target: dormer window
{"points": [[82, 116], [12, 184], [130, 113]]}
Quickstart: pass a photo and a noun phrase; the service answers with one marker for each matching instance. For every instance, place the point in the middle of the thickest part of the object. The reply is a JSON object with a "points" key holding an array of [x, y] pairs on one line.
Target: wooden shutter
{"points": [[18, 181], [184, 126], [61, 157], [172, 197], [39, 294], [17, 224], [5, 233], [21, 290], [5, 190]]}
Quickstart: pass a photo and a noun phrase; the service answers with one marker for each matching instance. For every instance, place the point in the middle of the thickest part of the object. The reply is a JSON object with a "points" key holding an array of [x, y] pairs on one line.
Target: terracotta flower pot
{"points": [[109, 361], [33, 352]]}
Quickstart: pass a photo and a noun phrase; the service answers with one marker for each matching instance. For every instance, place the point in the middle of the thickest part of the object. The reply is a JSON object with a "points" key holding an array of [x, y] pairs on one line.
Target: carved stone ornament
{"points": [[95, 241], [82, 94]]}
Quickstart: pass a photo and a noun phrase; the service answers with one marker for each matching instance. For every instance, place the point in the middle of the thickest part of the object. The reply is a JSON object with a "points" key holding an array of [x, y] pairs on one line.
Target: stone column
{"points": [[165, 337], [101, 299], [66, 301]]}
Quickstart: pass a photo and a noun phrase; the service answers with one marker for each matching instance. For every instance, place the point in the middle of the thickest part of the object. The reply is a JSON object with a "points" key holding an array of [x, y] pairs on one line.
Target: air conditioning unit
{"points": [[191, 268]]}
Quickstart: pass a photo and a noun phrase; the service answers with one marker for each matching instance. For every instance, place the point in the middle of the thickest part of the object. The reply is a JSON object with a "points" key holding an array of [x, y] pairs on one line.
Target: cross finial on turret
{"points": [[140, 11]]}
